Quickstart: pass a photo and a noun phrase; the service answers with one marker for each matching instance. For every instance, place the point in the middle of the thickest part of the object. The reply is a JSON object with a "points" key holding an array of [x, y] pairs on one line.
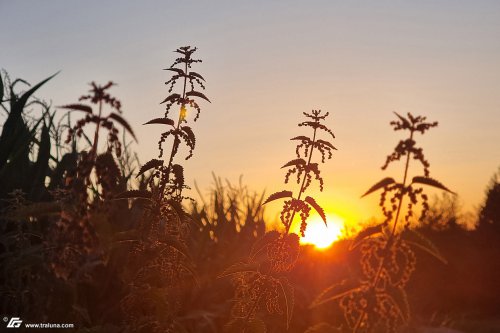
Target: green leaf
{"points": [[164, 121], [334, 292], [278, 195], [317, 207], [77, 107], [124, 123], [416, 239], [367, 232], [288, 297], [431, 182], [197, 94], [240, 267], [261, 243], [296, 162], [381, 184], [172, 98]]}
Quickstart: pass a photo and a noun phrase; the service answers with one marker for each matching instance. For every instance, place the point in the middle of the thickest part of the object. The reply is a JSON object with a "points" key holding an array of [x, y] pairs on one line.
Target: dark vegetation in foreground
{"points": [[70, 252]]}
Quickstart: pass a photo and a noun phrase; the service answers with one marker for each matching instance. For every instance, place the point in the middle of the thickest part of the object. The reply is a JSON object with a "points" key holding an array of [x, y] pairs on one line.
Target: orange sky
{"points": [[267, 62]]}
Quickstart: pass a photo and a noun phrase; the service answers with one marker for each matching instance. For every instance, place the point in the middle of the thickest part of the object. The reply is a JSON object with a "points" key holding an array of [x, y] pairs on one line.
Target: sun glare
{"points": [[321, 236]]}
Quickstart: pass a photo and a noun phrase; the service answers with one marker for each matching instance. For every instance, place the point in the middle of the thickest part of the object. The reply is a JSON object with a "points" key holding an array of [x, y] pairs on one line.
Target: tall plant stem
{"points": [[176, 142], [393, 232], [301, 191], [96, 134]]}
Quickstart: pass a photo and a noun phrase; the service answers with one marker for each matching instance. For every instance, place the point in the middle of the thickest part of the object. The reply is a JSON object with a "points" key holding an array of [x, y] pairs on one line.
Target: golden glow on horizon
{"points": [[322, 236]]}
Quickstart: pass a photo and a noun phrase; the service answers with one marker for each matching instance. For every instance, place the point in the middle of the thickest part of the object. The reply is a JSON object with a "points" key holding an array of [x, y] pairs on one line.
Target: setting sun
{"points": [[322, 236]]}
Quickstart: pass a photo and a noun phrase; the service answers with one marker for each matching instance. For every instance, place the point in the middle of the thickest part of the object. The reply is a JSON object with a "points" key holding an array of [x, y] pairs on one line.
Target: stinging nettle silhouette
{"points": [[376, 301], [260, 281]]}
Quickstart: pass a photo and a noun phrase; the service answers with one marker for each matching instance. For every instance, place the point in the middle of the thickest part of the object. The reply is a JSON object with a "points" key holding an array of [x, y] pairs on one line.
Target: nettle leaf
{"points": [[302, 138], [288, 298], [197, 94], [416, 239], [164, 121], [124, 123], [278, 195], [240, 267], [177, 70], [133, 194], [1, 88], [194, 74], [334, 292], [406, 123], [77, 107], [381, 184], [317, 207], [262, 243], [298, 161], [189, 133], [326, 143], [154, 163], [400, 300], [431, 182], [171, 98], [365, 233]]}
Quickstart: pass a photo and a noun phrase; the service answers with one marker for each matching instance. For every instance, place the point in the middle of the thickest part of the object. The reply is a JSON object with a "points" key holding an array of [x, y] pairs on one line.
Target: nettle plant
{"points": [[261, 283], [159, 255], [376, 300]]}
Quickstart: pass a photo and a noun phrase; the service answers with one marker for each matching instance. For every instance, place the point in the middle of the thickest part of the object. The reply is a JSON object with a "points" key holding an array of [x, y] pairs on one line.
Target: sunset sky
{"points": [[268, 61]]}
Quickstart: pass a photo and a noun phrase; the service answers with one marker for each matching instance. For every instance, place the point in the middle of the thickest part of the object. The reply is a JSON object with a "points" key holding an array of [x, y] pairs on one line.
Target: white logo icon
{"points": [[14, 322]]}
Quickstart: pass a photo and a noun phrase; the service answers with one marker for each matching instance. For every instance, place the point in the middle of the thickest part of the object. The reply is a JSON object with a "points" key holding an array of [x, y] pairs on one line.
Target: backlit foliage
{"points": [[261, 285], [159, 257], [377, 301]]}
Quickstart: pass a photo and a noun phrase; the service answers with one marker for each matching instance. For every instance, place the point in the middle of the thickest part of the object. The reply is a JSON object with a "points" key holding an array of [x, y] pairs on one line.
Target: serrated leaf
{"points": [[154, 163], [367, 232], [163, 121], [177, 70], [381, 184], [400, 300], [174, 243], [326, 143], [261, 243], [431, 182], [416, 239], [403, 119], [194, 74], [133, 194], [301, 138], [298, 161], [240, 267], [278, 195], [334, 292], [124, 123], [171, 98], [197, 94], [77, 107], [317, 207], [288, 294]]}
